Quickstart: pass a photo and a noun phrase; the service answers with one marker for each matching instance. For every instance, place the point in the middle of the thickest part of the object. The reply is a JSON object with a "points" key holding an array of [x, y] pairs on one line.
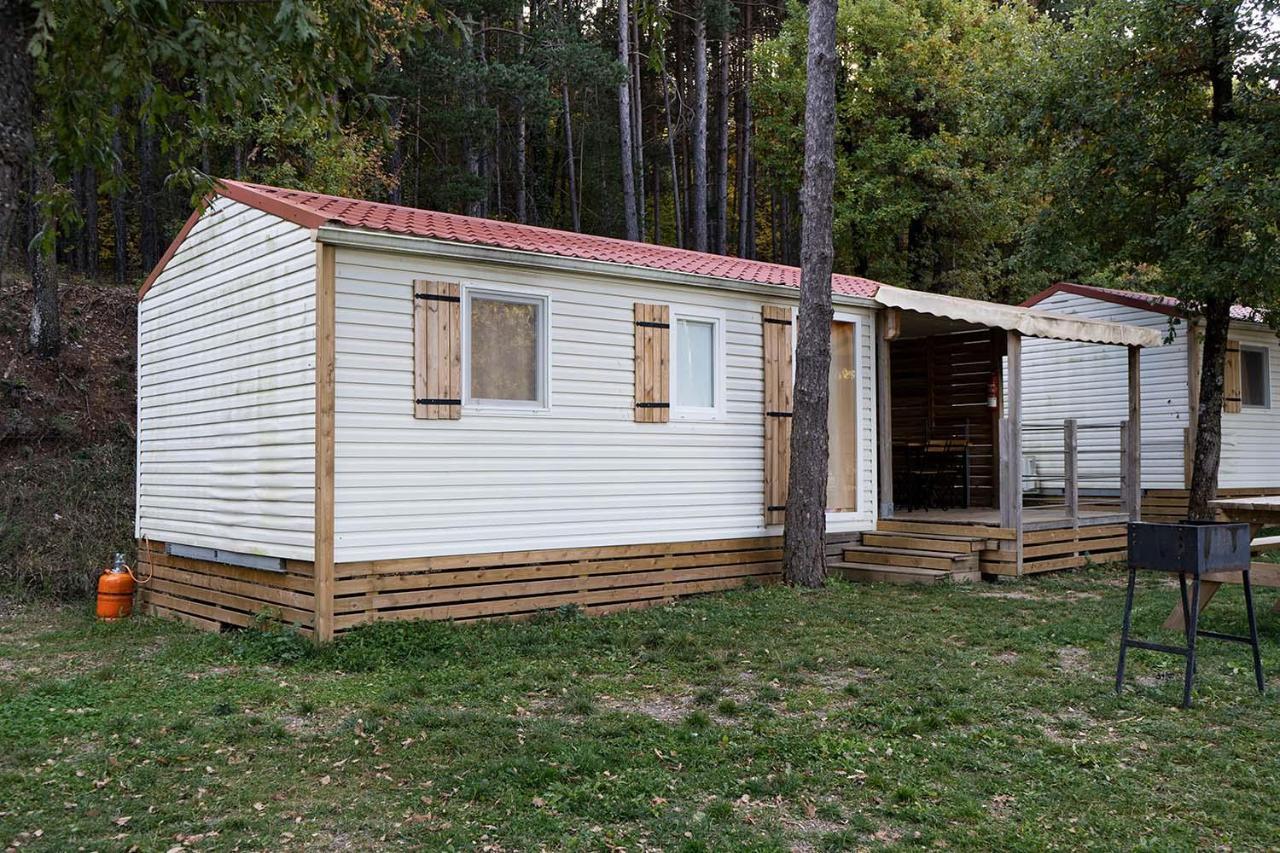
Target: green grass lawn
{"points": [[977, 716]]}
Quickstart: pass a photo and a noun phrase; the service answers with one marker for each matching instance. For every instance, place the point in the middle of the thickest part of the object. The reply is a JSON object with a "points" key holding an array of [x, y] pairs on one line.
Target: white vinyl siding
{"points": [[580, 473], [226, 388], [1089, 382], [1251, 437]]}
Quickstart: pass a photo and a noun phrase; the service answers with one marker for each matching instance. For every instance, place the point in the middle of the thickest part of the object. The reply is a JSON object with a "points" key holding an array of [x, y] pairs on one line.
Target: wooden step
{"points": [[863, 573], [949, 544], [926, 528], [939, 560]]}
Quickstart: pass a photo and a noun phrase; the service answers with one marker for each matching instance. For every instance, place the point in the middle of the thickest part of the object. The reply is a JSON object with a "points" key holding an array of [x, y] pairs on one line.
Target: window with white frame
{"points": [[697, 375], [506, 349], [1255, 377]]}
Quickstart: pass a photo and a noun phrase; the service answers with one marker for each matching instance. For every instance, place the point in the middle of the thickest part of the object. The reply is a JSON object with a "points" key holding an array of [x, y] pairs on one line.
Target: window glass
{"points": [[842, 458], [505, 357], [695, 364], [1254, 379]]}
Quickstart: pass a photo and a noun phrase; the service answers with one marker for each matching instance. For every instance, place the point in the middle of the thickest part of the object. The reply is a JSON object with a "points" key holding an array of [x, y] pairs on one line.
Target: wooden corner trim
{"points": [[324, 442]]}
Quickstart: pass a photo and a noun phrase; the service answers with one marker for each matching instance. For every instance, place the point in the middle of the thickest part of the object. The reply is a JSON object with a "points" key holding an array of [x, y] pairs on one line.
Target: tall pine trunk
{"points": [[575, 215], [148, 195], [671, 151], [626, 150], [522, 132], [89, 230], [698, 202], [472, 141], [119, 204], [637, 122], [804, 562], [745, 186], [722, 148]]}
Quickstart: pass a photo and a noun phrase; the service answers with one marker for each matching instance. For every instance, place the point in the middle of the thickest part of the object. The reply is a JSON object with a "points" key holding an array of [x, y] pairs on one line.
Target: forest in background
{"points": [[669, 121]]}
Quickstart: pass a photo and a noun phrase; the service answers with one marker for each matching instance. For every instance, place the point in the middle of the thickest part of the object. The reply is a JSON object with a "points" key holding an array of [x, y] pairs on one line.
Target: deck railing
{"points": [[1094, 457]]}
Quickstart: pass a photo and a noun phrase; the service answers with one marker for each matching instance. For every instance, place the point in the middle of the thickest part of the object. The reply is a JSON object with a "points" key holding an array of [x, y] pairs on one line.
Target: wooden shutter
{"points": [[437, 350], [777, 410], [653, 380], [1232, 381]]}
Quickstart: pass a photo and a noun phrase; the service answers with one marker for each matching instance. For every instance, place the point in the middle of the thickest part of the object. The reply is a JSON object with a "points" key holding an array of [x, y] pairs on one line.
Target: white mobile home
{"points": [[351, 411], [1088, 383]]}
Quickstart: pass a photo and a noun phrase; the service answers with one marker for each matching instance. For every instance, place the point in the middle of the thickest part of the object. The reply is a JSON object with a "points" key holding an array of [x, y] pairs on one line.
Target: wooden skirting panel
{"points": [[212, 596], [519, 584], [1171, 504], [1063, 548]]}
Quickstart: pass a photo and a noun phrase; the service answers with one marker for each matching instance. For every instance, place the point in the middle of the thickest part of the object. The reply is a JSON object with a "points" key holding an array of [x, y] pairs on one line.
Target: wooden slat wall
{"points": [[938, 387], [212, 596], [437, 350], [1232, 380], [515, 584], [653, 369], [778, 404], [1063, 548]]}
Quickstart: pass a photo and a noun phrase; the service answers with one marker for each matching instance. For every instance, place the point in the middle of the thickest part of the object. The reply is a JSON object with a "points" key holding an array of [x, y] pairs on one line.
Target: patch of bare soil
{"points": [[1073, 659], [799, 820], [1000, 806], [1014, 594]]}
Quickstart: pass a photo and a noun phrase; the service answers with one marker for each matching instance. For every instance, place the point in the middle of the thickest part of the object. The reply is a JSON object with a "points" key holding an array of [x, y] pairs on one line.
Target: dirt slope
{"points": [[66, 440]]}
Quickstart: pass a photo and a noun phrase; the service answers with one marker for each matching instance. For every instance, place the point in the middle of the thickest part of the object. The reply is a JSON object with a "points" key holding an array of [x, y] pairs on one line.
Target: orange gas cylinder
{"points": [[115, 591]]}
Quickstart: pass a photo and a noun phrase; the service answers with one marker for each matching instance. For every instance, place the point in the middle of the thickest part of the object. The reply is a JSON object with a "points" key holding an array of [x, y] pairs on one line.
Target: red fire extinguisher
{"points": [[993, 392], [115, 590]]}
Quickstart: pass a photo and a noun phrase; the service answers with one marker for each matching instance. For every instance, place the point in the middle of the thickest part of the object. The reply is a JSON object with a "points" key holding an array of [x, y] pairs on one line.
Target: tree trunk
{"points": [[148, 196], [626, 152], [89, 226], [1217, 311], [745, 216], [637, 124], [17, 140], [1208, 438], [804, 561], [45, 330], [675, 168], [698, 204], [722, 148], [746, 182], [119, 212], [522, 132], [471, 141], [395, 192], [568, 150]]}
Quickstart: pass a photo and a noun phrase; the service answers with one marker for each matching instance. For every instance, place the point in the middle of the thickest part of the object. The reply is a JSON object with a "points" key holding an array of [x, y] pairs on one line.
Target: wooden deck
{"points": [[1033, 518], [960, 544]]}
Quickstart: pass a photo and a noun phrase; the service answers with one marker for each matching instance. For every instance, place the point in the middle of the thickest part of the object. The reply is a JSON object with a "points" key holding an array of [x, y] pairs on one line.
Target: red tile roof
{"points": [[313, 209], [1135, 299]]}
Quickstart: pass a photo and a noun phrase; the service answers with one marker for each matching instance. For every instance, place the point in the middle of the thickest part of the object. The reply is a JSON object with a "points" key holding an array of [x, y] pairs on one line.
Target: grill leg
{"points": [[1124, 631], [1253, 631], [1186, 607], [1193, 627]]}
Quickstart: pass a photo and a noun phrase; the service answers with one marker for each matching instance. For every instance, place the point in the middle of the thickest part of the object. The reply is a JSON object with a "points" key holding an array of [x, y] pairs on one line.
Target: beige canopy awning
{"points": [[1028, 321]]}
